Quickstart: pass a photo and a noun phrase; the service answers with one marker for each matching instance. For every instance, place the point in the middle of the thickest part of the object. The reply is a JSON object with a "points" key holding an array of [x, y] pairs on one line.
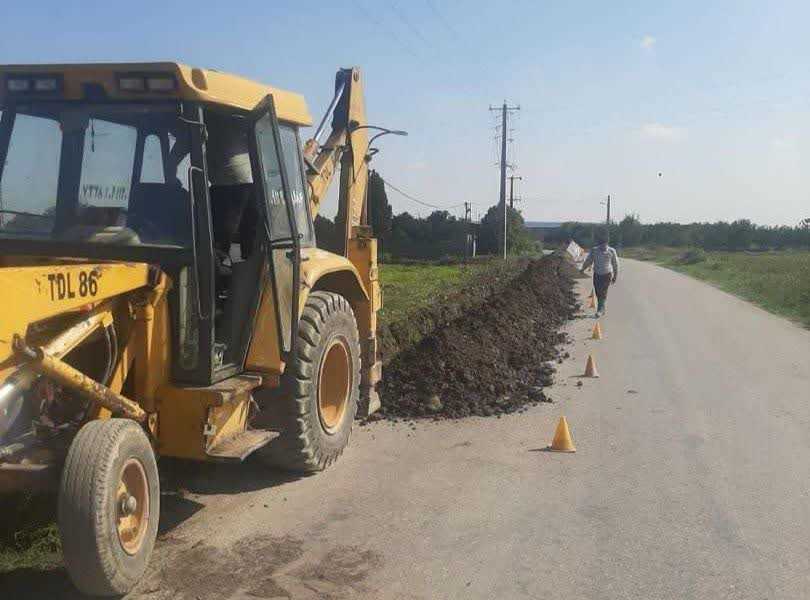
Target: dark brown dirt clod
{"points": [[491, 360]]}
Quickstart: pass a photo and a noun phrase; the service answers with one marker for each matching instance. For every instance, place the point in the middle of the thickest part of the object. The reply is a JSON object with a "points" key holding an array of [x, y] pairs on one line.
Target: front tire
{"points": [[109, 504], [315, 407]]}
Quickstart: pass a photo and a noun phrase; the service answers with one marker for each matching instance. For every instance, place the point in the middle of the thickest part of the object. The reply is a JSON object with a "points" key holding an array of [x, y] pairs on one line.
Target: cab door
{"points": [[283, 240]]}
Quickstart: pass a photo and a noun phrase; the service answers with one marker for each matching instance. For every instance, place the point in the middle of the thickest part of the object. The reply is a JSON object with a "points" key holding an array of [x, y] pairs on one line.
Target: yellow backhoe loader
{"points": [[162, 293]]}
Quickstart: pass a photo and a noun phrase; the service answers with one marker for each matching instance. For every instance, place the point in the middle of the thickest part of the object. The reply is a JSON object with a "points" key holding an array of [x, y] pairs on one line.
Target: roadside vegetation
{"points": [[778, 281], [409, 287], [767, 265], [439, 236], [28, 535], [739, 235]]}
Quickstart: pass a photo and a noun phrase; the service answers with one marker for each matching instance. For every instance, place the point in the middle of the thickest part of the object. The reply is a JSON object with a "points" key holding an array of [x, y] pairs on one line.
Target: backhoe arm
{"points": [[347, 145]]}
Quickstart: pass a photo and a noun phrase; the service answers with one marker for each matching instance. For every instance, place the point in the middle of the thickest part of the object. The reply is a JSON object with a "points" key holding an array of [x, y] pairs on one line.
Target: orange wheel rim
{"points": [[132, 506], [334, 385]]}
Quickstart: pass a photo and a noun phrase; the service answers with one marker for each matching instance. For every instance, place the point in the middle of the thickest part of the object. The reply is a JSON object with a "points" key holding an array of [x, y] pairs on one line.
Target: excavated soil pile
{"points": [[492, 360], [402, 335]]}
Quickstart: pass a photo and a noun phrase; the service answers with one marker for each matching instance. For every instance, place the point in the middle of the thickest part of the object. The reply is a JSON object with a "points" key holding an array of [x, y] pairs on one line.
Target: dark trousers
{"points": [[601, 283]]}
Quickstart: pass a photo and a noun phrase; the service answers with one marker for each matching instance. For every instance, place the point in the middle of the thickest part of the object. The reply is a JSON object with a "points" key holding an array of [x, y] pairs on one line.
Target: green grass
{"points": [[28, 535], [36, 549], [409, 287], [777, 281]]}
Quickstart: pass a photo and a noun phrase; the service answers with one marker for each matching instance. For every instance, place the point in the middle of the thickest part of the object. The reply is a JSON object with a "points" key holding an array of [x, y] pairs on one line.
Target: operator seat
{"points": [[97, 224], [161, 213]]}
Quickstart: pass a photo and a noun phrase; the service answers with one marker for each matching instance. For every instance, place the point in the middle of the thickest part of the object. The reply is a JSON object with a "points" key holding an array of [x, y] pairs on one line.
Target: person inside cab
{"points": [[234, 217]]}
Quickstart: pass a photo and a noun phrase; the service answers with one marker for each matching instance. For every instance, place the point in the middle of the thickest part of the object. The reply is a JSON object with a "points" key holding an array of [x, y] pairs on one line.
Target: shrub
{"points": [[692, 257]]}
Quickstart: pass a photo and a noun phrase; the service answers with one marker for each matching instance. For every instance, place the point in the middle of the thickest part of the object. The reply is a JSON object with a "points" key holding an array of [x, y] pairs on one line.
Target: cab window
{"points": [[152, 167], [279, 223], [107, 163], [30, 177], [298, 190], [77, 172]]}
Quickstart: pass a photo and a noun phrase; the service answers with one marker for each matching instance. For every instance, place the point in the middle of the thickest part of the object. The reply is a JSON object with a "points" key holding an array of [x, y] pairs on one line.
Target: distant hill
{"points": [[543, 224], [555, 224]]}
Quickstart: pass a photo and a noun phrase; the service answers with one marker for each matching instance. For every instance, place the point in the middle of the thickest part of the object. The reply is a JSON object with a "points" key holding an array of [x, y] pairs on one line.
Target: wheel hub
{"points": [[128, 505], [132, 504], [334, 385]]}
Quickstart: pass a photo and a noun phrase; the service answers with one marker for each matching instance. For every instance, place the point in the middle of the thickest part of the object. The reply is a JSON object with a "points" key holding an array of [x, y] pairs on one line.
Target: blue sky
{"points": [[714, 96]]}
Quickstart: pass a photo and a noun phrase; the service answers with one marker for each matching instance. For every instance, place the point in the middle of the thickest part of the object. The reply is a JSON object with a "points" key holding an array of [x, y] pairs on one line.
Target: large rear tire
{"points": [[315, 406], [109, 504]]}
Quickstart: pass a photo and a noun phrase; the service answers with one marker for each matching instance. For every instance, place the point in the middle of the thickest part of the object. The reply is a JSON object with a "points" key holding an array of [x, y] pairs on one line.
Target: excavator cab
{"points": [[155, 181], [163, 292]]}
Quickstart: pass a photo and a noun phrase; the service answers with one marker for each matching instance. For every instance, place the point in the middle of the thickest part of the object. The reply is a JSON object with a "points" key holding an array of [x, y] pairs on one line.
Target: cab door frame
{"points": [[196, 313], [279, 249]]}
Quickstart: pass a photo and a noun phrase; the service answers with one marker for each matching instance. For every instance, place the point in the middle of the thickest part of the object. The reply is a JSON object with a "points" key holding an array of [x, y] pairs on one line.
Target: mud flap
{"points": [[369, 402], [369, 380]]}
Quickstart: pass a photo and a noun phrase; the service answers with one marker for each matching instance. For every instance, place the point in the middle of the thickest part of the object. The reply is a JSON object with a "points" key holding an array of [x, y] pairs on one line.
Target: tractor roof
{"points": [[194, 84]]}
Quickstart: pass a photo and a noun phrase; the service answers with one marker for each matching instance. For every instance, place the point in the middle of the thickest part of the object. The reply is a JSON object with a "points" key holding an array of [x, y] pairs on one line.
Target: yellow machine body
{"points": [[191, 421], [34, 293], [193, 84]]}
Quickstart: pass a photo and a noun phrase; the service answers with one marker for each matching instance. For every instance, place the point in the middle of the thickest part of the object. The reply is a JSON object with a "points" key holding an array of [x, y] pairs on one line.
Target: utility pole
{"points": [[608, 211], [505, 110], [468, 236], [512, 189]]}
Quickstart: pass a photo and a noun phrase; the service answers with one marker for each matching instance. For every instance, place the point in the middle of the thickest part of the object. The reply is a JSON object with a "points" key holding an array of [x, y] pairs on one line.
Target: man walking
{"points": [[605, 270]]}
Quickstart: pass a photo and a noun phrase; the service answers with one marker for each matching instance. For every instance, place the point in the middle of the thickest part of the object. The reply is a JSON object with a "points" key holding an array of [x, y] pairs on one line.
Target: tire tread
{"points": [[297, 448]]}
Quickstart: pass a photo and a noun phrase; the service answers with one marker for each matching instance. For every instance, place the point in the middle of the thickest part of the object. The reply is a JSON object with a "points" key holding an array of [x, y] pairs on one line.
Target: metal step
{"points": [[223, 391], [238, 447]]}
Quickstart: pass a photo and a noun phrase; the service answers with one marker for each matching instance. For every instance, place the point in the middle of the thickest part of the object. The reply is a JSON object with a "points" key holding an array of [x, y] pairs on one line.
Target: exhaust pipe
{"points": [[11, 397]]}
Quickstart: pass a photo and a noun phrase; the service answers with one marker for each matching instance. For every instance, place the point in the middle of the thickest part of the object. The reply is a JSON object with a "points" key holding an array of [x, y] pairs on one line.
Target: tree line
{"points": [[437, 236], [737, 235]]}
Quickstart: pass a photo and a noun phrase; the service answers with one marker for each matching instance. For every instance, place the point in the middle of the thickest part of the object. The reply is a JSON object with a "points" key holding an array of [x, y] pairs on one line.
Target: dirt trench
{"points": [[492, 359], [492, 279]]}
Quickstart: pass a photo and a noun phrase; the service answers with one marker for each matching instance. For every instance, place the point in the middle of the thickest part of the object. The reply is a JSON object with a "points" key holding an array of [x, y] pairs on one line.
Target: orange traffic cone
{"points": [[562, 441], [590, 367], [597, 332], [592, 300]]}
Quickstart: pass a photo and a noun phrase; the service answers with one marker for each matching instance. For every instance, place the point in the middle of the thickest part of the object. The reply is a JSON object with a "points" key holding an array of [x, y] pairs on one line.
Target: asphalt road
{"points": [[691, 480]]}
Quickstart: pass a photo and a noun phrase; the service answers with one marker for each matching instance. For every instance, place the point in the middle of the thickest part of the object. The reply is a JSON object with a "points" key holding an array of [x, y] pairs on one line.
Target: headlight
{"points": [[132, 84], [18, 85], [160, 84], [33, 84], [46, 84], [146, 82]]}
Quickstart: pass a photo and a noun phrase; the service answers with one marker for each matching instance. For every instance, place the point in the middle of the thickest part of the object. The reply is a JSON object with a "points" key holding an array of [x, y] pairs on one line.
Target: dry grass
{"points": [[776, 281]]}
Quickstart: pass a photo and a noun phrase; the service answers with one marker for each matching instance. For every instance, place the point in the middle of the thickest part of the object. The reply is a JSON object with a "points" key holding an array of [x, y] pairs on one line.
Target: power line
{"points": [[441, 18], [504, 110], [407, 22], [393, 34], [417, 200]]}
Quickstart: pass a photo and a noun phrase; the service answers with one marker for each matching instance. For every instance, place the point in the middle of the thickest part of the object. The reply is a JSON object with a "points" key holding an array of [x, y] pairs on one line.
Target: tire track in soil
{"points": [[261, 566]]}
